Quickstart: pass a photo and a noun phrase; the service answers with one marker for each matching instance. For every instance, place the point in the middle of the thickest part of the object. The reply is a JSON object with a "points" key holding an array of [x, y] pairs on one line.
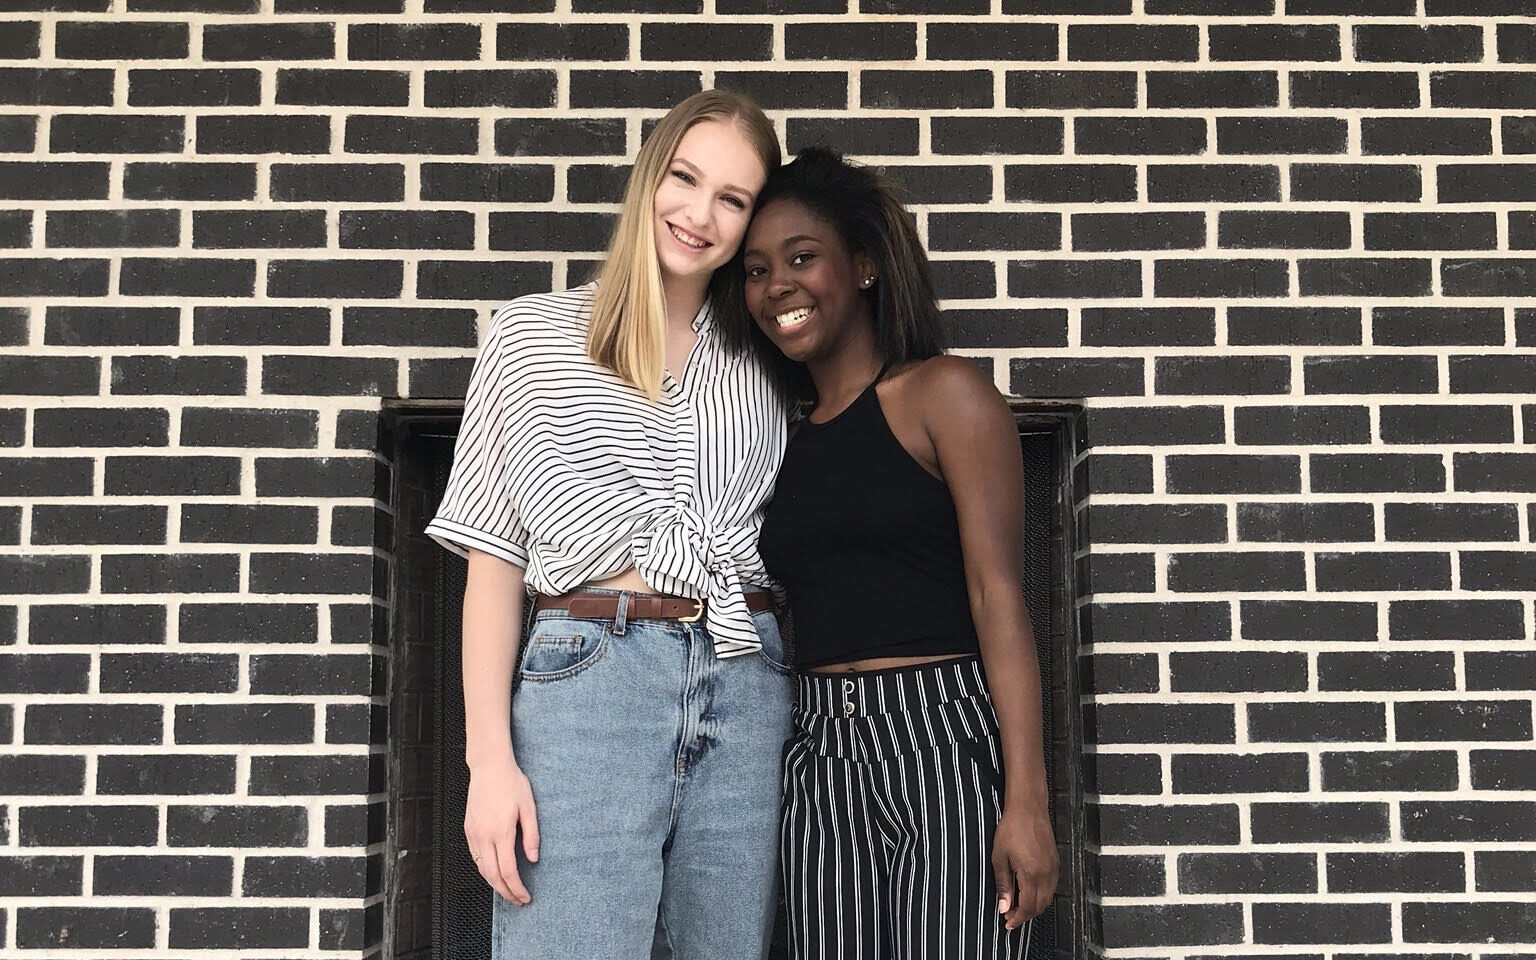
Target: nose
{"points": [[697, 210], [780, 284]]}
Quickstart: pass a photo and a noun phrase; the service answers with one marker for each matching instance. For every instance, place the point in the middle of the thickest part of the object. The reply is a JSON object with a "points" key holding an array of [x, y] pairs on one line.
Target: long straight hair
{"points": [[868, 213], [628, 330]]}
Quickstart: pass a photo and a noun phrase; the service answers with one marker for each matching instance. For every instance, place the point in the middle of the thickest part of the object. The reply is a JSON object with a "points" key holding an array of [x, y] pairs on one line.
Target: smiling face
{"points": [[804, 287], [705, 200]]}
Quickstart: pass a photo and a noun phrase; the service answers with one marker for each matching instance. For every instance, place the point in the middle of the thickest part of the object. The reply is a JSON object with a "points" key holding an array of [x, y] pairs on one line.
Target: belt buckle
{"points": [[696, 615]]}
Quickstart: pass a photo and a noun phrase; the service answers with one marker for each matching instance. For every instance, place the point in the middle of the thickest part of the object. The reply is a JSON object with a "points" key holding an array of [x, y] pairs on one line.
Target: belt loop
{"points": [[621, 618]]}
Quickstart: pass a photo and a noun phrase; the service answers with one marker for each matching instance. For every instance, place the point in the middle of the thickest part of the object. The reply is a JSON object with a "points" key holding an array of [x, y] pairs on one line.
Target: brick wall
{"points": [[1277, 245]]}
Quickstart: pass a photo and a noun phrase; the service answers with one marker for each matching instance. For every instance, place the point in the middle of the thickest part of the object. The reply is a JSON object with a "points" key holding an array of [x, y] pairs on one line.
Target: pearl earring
{"points": [[868, 281]]}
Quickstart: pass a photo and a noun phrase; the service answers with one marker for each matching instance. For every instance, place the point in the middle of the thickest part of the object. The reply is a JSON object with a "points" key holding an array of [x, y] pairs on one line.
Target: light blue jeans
{"points": [[655, 769]]}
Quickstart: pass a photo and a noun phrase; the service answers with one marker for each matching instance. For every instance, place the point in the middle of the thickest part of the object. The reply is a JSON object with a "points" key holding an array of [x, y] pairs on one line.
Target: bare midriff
{"points": [[628, 580], [882, 663]]}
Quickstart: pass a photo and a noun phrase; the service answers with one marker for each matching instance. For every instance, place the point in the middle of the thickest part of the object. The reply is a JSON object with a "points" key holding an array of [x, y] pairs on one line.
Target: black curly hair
{"points": [[867, 211]]}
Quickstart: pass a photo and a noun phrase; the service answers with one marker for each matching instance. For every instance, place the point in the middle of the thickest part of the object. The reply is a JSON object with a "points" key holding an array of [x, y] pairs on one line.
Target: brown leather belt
{"points": [[584, 605]]}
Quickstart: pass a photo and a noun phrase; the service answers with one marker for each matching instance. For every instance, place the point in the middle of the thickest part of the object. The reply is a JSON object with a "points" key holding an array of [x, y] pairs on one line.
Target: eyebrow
{"points": [[697, 172], [788, 242]]}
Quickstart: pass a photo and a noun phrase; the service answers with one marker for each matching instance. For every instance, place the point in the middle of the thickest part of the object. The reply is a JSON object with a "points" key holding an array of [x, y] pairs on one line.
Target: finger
{"points": [[506, 860], [1003, 877], [1025, 899], [1043, 896], [485, 863], [528, 822]]}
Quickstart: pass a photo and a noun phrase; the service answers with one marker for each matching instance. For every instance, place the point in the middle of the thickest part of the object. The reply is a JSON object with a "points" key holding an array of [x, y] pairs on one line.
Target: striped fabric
{"points": [[569, 472], [892, 793]]}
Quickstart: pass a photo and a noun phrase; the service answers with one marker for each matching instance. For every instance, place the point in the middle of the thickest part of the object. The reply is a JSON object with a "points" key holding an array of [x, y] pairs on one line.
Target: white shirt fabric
{"points": [[564, 469]]}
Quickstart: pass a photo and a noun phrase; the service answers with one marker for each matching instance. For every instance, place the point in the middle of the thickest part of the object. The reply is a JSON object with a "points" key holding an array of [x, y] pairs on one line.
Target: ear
{"points": [[865, 270]]}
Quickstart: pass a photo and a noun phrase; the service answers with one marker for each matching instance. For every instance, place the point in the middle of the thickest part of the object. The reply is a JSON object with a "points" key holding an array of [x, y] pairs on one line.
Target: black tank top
{"points": [[867, 543]]}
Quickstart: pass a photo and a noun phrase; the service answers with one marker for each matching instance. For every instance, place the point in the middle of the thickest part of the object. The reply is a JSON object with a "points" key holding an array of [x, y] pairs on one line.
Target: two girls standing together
{"points": [[627, 455]]}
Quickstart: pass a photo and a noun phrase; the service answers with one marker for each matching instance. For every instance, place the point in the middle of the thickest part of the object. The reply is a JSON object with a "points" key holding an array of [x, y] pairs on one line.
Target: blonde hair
{"points": [[629, 317]]}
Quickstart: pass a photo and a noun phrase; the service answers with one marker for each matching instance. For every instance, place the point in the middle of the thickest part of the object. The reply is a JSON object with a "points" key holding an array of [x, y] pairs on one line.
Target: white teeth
{"points": [[687, 238], [791, 318]]}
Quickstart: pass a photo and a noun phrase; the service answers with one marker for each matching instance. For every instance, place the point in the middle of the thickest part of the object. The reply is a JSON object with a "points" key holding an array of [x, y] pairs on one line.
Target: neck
{"points": [[843, 372], [684, 296]]}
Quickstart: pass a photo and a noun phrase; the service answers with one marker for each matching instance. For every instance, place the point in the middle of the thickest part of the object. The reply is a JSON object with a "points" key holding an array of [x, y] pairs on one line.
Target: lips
{"points": [[687, 239]]}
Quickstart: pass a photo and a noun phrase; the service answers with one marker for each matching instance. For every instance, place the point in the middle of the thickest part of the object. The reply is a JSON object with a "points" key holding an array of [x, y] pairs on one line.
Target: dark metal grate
{"points": [[461, 902]]}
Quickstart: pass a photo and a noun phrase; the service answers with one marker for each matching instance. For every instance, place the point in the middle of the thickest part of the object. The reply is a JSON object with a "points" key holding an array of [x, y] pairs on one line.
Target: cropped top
{"points": [[568, 471], [867, 544]]}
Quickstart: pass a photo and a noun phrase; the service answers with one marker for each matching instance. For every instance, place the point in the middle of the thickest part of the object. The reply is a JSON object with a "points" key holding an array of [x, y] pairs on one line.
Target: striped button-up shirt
{"points": [[564, 469]]}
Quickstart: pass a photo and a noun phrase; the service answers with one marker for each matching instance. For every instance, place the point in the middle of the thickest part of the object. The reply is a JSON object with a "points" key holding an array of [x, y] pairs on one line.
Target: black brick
{"points": [[377, 133], [1498, 570], [213, 928], [1383, 570], [111, 326], [170, 573], [304, 877], [1305, 522], [1458, 619], [1469, 821], [1497, 471], [1437, 326], [20, 41], [496, 280], [1319, 823], [1463, 720], [147, 876], [161, 774], [562, 41], [1240, 773], [539, 136], [413, 41], [344, 476], [1222, 278], [1504, 870], [264, 325], [169, 673], [1130, 876], [307, 674], [1301, 41], [269, 41], [489, 183], [1069, 182], [53, 180], [105, 623], [1344, 374], [1378, 472], [314, 775], [1058, 279], [333, 278], [1292, 923], [1071, 89], [85, 928], [925, 89], [94, 825], [1158, 523], [1091, 376], [1390, 771], [250, 229], [113, 228], [1182, 425], [245, 133], [1163, 723], [865, 41], [1181, 621], [120, 40], [1138, 231], [1183, 825], [1385, 671], [489, 88], [1503, 770], [657, 89], [791, 90], [145, 375], [1136, 136], [1426, 135], [1124, 41], [311, 573], [1145, 925], [1503, 277], [1233, 473], [198, 88], [1307, 620], [43, 775], [1319, 722], [1340, 88], [1124, 774], [357, 88], [1447, 424], [1365, 182], [1242, 374], [1430, 231], [987, 41], [880, 136], [100, 133], [1301, 424], [236, 826], [1364, 276], [1483, 89], [41, 876], [1247, 872], [1266, 229], [186, 277], [407, 229], [99, 427], [1212, 88], [113, 523], [56, 87], [244, 723], [1212, 183], [1485, 183], [1290, 135], [1452, 522]]}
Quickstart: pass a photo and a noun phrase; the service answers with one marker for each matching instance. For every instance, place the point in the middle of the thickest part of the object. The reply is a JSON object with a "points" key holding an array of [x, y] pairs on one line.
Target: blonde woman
{"points": [[614, 459]]}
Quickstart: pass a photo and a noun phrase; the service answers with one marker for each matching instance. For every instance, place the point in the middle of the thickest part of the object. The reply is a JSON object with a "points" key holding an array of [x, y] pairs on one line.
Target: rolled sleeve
{"points": [[477, 511]]}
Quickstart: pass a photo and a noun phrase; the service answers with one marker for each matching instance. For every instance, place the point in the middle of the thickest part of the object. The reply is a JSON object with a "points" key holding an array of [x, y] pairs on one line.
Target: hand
{"points": [[500, 804], [1024, 864]]}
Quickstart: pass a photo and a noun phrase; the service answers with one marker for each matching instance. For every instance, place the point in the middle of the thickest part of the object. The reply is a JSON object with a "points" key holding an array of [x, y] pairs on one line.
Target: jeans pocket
{"points": [[559, 648], [773, 651]]}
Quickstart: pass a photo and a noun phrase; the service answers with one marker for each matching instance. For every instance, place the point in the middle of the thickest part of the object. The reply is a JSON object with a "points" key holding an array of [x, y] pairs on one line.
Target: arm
{"points": [[977, 447], [500, 799]]}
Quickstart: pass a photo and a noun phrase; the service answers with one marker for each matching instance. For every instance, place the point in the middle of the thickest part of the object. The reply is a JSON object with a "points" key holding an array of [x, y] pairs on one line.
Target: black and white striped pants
{"points": [[892, 793]]}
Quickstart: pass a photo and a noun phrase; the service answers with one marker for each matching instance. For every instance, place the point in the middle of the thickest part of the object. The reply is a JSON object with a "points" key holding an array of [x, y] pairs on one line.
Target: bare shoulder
{"points": [[954, 390]]}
